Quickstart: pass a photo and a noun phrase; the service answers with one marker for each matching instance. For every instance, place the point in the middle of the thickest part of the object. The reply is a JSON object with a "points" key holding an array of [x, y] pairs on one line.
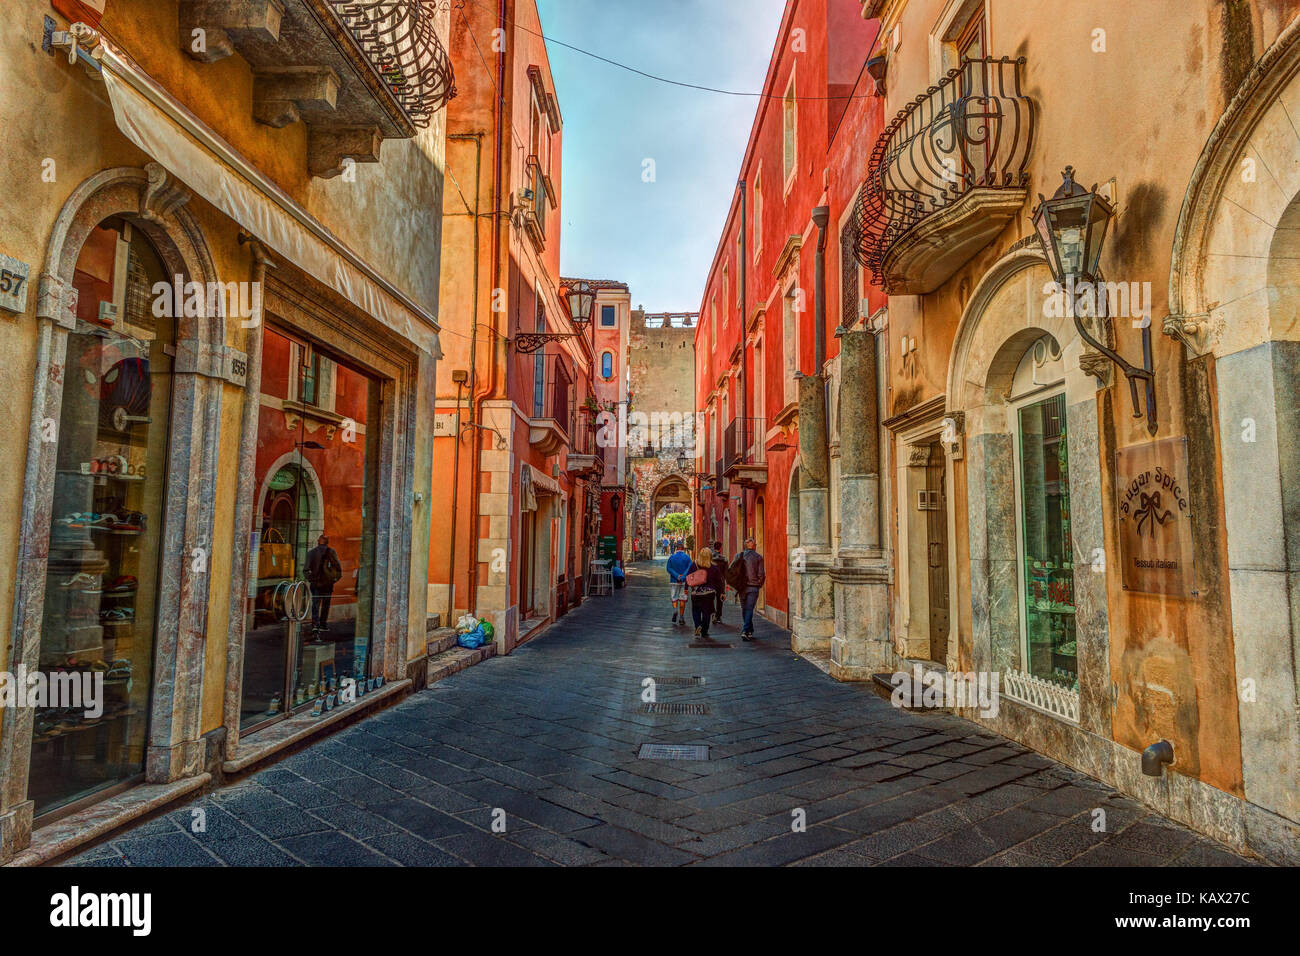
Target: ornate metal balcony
{"points": [[399, 38], [945, 176]]}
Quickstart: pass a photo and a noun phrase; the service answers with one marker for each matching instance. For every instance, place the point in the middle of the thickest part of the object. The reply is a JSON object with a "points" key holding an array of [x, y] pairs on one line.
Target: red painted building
{"points": [[757, 336]]}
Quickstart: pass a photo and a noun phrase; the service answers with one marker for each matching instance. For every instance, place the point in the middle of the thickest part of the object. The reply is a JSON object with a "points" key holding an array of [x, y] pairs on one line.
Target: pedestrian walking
{"points": [[679, 565], [323, 570], [706, 583], [753, 572], [720, 560]]}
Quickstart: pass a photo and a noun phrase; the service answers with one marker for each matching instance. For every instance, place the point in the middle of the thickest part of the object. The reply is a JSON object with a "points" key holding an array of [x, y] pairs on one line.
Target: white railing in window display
{"points": [[1045, 695]]}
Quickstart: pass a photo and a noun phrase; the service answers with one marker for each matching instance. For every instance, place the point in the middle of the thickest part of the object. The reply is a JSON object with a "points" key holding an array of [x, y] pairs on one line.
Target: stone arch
{"points": [[1006, 314], [1232, 281], [1241, 188], [314, 485], [154, 203]]}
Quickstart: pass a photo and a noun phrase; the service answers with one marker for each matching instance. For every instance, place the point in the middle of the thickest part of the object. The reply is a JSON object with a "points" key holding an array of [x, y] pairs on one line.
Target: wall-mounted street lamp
{"points": [[582, 297], [580, 300], [1072, 227]]}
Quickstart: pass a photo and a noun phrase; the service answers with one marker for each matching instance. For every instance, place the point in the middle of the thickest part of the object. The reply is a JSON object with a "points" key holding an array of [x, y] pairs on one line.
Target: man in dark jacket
{"points": [[755, 574], [721, 561], [323, 569]]}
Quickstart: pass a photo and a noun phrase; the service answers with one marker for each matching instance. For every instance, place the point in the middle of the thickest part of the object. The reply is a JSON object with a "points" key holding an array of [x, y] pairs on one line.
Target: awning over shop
{"points": [[193, 153], [540, 483]]}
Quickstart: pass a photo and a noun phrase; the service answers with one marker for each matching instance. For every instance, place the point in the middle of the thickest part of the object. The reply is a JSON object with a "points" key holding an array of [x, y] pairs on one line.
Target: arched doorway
{"points": [[1234, 277], [1033, 486], [121, 476], [672, 495]]}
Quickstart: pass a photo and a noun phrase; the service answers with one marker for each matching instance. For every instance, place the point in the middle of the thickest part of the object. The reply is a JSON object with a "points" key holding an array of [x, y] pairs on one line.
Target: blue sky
{"points": [[657, 237]]}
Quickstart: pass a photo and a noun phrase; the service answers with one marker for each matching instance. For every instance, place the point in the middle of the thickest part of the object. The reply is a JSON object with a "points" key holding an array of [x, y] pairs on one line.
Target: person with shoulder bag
{"points": [[706, 582], [323, 571]]}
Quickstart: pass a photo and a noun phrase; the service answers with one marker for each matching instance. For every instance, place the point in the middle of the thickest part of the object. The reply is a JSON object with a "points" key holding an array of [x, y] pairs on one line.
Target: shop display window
{"points": [[308, 612], [101, 589], [1046, 548]]}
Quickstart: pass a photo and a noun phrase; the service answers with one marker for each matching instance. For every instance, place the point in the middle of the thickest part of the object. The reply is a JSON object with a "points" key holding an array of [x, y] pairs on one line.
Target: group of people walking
{"points": [[704, 580]]}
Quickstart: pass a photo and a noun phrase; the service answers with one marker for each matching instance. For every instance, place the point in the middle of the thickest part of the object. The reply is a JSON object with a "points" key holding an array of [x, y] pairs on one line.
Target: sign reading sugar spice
{"points": [[1154, 518]]}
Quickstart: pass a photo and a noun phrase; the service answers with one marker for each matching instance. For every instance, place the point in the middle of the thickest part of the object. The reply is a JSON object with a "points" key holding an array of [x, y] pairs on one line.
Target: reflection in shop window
{"points": [[308, 622]]}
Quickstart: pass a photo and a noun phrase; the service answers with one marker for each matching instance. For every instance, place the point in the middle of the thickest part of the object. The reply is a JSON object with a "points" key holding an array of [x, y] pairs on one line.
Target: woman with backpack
{"points": [[706, 584]]}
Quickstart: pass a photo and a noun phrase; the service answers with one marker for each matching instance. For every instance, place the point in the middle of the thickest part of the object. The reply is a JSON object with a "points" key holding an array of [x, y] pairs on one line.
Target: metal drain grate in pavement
{"points": [[675, 707], [673, 752], [679, 681]]}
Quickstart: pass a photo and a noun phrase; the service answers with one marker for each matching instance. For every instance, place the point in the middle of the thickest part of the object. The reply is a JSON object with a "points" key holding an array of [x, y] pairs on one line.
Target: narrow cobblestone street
{"points": [[551, 735]]}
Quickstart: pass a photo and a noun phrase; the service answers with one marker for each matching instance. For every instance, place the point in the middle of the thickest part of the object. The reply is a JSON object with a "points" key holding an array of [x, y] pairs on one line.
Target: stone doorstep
{"points": [[265, 743], [75, 832], [456, 659], [440, 639]]}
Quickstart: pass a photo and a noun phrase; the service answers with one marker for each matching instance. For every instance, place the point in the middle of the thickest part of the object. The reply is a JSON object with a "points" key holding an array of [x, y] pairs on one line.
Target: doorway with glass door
{"points": [[308, 622]]}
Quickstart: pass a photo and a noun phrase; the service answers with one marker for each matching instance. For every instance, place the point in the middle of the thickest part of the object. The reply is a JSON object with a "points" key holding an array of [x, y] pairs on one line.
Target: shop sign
{"points": [[1154, 518], [13, 284]]}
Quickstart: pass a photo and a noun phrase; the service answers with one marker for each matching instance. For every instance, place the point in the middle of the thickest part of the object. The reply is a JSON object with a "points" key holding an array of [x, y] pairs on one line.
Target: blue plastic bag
{"points": [[475, 638]]}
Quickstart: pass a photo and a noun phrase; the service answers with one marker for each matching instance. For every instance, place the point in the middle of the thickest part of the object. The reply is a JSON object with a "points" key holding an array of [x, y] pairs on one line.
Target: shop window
{"points": [[1046, 549], [103, 577], [308, 621]]}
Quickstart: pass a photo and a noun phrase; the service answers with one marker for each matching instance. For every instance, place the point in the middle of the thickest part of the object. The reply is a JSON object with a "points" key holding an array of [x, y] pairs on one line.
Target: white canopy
{"points": [[193, 153]]}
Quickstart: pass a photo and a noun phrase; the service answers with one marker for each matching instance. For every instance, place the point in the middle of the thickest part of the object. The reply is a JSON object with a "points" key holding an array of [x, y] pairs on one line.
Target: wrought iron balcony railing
{"points": [[401, 42], [972, 130]]}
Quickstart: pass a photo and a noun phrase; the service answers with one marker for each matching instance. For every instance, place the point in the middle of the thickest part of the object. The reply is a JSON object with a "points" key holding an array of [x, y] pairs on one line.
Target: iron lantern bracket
{"points": [[528, 342], [1134, 374]]}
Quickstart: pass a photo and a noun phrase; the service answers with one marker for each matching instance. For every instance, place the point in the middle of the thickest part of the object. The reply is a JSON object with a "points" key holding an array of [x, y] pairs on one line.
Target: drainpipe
{"points": [[478, 396], [473, 352], [244, 490], [821, 216], [742, 398]]}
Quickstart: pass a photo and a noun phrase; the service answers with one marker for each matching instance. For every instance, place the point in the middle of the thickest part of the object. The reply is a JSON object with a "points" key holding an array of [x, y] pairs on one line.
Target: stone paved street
{"points": [[550, 735]]}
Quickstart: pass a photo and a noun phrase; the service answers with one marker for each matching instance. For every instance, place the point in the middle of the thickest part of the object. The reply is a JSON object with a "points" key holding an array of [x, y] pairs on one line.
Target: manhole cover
{"points": [[679, 681], [674, 707], [673, 752]]}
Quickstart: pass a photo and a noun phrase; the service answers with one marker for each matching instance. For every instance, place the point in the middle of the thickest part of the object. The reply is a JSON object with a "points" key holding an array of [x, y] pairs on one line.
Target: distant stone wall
{"points": [[661, 363]]}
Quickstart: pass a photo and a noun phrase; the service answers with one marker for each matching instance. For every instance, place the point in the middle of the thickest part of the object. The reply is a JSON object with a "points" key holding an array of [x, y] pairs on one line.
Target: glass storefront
{"points": [[308, 614], [1047, 550], [101, 589]]}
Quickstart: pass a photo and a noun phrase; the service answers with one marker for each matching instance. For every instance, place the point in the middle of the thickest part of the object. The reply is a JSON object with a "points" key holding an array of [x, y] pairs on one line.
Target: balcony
{"points": [[743, 460], [946, 176], [551, 424], [356, 72], [543, 193]]}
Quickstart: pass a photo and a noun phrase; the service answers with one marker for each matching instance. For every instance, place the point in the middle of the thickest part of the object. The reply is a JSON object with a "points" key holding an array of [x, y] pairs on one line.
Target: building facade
{"points": [[514, 441], [218, 350], [611, 325], [758, 342], [1083, 490], [661, 441]]}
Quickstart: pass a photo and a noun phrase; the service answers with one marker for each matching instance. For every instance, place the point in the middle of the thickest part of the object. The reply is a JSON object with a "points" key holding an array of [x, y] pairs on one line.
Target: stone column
{"points": [[860, 645], [812, 619]]}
